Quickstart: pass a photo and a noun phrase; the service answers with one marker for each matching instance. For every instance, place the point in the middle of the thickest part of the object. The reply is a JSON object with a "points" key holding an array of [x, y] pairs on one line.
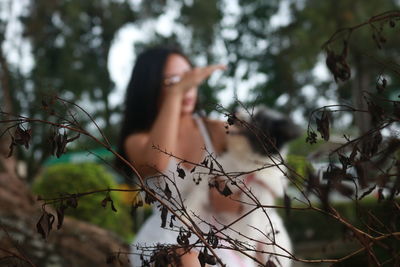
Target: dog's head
{"points": [[267, 130]]}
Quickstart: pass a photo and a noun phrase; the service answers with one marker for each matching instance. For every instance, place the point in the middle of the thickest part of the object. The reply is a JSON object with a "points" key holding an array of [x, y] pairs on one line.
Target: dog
{"points": [[256, 147]]}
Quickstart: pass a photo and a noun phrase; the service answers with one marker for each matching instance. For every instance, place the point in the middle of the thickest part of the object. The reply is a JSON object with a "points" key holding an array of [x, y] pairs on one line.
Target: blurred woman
{"points": [[160, 120]]}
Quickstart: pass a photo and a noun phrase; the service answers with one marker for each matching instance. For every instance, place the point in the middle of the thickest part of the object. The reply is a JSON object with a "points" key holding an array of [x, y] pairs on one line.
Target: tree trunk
{"points": [[361, 84], [77, 243], [7, 165]]}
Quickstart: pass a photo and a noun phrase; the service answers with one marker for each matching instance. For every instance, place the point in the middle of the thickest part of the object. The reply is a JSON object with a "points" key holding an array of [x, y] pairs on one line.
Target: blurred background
{"points": [[84, 51]]}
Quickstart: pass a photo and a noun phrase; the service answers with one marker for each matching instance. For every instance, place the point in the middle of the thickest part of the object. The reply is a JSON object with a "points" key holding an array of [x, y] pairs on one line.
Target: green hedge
{"points": [[78, 178]]}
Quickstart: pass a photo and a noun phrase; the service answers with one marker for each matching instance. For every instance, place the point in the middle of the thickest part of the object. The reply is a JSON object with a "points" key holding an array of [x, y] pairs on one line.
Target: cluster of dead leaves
{"points": [[58, 143], [47, 219], [337, 63], [21, 137]]}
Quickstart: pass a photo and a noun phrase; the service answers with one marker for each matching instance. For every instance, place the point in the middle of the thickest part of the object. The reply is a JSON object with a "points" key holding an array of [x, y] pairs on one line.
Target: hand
{"points": [[194, 77], [221, 203]]}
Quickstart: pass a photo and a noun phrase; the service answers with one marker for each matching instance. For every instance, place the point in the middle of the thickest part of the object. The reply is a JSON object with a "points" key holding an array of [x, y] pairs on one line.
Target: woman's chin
{"points": [[188, 105], [187, 109]]}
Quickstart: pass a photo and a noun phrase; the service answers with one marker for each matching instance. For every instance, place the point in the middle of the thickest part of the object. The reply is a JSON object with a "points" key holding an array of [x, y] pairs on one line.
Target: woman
{"points": [[159, 117]]}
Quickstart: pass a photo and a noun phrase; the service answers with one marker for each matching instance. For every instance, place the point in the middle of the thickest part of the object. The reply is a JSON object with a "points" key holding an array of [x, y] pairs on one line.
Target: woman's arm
{"points": [[164, 132]]}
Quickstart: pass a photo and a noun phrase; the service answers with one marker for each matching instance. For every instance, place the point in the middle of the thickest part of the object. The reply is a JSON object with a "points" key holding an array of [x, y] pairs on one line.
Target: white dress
{"points": [[196, 200]]}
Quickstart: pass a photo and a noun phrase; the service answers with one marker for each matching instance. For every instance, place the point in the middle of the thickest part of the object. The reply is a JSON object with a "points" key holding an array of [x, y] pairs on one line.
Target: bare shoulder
{"points": [[135, 147], [217, 132], [136, 138], [134, 143]]}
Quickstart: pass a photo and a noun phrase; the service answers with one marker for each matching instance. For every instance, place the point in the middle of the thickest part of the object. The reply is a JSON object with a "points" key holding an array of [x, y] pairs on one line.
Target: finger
{"points": [[218, 66], [212, 68], [199, 74]]}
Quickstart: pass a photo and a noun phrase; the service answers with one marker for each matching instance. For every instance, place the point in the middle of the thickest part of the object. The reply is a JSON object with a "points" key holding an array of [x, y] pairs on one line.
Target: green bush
{"points": [[72, 178]]}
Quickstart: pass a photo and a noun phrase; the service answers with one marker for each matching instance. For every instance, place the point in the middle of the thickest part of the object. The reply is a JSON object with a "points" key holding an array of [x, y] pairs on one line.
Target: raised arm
{"points": [[164, 132]]}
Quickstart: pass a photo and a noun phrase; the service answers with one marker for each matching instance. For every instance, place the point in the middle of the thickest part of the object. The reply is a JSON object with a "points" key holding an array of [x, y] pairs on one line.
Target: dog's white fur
{"points": [[262, 229]]}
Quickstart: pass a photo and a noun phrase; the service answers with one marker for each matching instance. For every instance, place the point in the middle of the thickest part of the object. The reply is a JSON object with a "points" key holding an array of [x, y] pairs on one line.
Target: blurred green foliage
{"points": [[298, 164], [69, 45], [297, 160], [299, 147], [69, 178]]}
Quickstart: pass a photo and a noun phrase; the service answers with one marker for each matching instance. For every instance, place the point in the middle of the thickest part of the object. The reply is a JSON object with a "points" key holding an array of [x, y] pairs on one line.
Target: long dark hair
{"points": [[143, 94]]}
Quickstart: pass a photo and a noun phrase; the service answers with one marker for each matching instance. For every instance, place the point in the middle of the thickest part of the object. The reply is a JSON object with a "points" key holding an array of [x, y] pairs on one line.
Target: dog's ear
{"points": [[288, 129], [278, 124], [285, 131], [271, 130]]}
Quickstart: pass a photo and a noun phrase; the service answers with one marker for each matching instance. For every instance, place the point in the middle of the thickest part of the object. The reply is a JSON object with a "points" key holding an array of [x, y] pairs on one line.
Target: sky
{"points": [[122, 53], [17, 50]]}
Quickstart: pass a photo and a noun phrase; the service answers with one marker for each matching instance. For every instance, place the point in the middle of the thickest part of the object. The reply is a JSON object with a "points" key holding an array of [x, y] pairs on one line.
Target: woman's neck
{"points": [[187, 121]]}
